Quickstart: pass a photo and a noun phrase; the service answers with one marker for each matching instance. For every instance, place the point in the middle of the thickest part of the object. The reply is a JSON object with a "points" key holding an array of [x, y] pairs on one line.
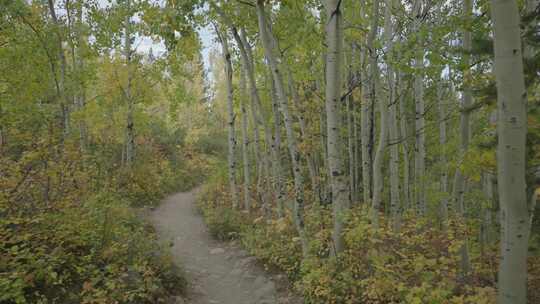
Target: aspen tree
{"points": [[231, 116], [335, 146], [245, 140], [277, 74], [511, 161], [420, 135], [366, 117]]}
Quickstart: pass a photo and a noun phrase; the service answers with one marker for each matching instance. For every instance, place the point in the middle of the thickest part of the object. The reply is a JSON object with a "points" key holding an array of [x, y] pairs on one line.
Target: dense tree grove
{"points": [[374, 151], [92, 126], [404, 161]]}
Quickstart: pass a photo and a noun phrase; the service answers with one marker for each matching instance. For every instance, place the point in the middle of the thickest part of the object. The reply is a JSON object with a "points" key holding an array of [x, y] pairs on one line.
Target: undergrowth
{"points": [[82, 241], [420, 264]]}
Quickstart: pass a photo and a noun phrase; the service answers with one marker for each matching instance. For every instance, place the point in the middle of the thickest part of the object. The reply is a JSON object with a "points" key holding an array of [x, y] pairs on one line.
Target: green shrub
{"points": [[97, 252], [420, 264]]}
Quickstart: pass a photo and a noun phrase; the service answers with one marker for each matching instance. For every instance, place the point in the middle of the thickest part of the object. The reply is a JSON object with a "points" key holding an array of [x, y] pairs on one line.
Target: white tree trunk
{"points": [[231, 117], [312, 168], [395, 202], [379, 154], [258, 114], [351, 148], [366, 117], [351, 131], [335, 146], [420, 148], [270, 53], [279, 186], [511, 161], [245, 140], [443, 205], [466, 101], [404, 138]]}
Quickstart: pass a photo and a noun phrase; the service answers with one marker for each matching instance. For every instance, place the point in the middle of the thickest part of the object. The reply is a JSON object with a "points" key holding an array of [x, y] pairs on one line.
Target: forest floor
{"points": [[217, 272]]}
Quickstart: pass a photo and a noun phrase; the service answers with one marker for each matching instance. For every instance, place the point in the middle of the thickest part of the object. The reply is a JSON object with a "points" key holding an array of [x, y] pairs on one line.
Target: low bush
{"points": [[420, 264], [95, 252], [70, 234]]}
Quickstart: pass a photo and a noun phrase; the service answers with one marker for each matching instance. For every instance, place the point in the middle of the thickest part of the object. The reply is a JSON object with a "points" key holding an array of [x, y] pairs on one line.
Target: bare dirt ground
{"points": [[219, 273]]}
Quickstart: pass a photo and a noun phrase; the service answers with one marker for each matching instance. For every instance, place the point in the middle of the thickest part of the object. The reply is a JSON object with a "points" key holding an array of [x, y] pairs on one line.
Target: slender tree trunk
{"points": [[130, 132], [334, 59], [488, 230], [258, 114], [420, 135], [231, 116], [366, 108], [395, 203], [351, 131], [279, 186], [291, 138], [312, 168], [404, 138], [511, 161], [466, 101], [323, 172], [80, 65], [62, 94], [464, 126], [379, 154], [357, 155], [245, 140], [443, 205], [351, 148]]}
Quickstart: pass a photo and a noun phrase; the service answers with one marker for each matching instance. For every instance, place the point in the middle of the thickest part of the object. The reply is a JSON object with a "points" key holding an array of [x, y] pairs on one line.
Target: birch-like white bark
{"points": [[420, 136], [245, 140], [335, 146], [277, 73], [404, 138], [279, 186], [511, 160], [312, 168], [366, 107], [231, 116], [443, 183]]}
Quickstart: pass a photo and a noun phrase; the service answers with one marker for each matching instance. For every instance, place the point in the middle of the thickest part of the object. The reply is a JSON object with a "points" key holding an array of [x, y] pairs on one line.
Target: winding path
{"points": [[219, 273]]}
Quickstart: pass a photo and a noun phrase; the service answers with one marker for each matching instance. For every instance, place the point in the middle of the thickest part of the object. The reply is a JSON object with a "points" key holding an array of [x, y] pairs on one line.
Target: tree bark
{"points": [[231, 117], [443, 183], [245, 140], [312, 168], [277, 74], [511, 161], [277, 168], [379, 154], [466, 101], [420, 148], [335, 146], [366, 108], [404, 137], [351, 131], [395, 204]]}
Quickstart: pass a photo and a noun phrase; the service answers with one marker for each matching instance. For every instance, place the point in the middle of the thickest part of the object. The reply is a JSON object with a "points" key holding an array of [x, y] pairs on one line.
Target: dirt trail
{"points": [[219, 273]]}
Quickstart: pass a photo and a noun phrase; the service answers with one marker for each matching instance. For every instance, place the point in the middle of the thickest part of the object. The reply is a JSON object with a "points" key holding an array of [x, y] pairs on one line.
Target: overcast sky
{"points": [[144, 44]]}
